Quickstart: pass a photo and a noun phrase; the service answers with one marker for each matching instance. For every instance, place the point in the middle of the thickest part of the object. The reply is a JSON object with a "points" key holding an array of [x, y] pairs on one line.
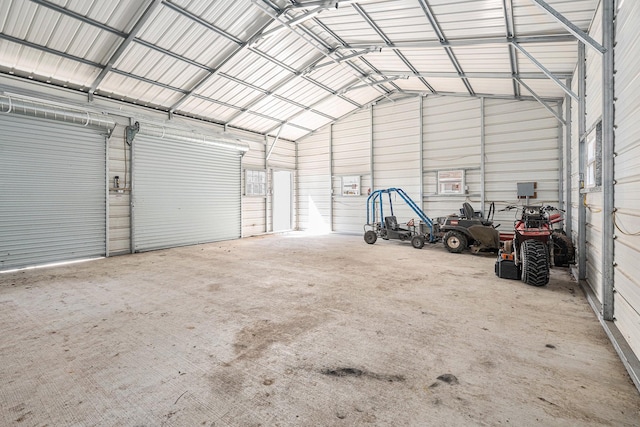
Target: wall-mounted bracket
{"points": [[131, 131]]}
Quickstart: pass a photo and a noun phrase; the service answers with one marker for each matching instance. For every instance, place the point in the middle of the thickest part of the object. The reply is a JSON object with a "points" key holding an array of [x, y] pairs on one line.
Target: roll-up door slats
{"points": [[52, 192], [184, 192]]}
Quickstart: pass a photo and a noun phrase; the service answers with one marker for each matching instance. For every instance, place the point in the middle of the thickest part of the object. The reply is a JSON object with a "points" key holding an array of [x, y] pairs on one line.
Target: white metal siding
{"points": [[594, 73], [52, 192], [119, 201], [627, 170], [184, 193], [452, 140], [253, 207], [351, 156], [397, 151], [521, 140], [314, 182]]}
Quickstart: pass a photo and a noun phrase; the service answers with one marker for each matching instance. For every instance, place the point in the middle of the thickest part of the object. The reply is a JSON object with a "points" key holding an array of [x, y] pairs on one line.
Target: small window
{"points": [[593, 174], [255, 183], [451, 182]]}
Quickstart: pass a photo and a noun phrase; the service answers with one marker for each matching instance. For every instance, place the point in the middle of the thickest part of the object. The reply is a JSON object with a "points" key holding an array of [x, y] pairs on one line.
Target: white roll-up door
{"points": [[184, 193], [52, 192]]}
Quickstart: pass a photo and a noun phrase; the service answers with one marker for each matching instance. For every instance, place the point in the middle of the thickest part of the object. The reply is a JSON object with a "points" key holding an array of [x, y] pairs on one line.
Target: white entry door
{"points": [[282, 201]]}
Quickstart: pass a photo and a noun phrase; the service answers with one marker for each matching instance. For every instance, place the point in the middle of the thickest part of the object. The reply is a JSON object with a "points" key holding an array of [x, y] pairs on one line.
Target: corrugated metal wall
{"points": [[52, 192], [452, 137], [351, 152], [253, 207], [521, 144], [593, 199], [314, 182], [397, 151], [119, 200], [521, 140], [184, 193], [627, 175]]}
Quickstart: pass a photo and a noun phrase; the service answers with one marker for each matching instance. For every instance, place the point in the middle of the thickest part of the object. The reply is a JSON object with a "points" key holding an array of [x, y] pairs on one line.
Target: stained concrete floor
{"points": [[294, 330]]}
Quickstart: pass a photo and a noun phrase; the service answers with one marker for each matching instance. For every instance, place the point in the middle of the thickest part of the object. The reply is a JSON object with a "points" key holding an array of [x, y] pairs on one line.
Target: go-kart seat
{"points": [[391, 223]]}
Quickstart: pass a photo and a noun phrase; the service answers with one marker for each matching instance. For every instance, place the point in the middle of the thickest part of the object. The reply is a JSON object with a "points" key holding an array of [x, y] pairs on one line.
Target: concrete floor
{"points": [[298, 330]]}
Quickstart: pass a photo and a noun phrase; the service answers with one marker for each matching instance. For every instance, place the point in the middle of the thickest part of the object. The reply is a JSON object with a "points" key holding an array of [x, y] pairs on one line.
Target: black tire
{"points": [[535, 263], [370, 237], [417, 242], [455, 242], [563, 250]]}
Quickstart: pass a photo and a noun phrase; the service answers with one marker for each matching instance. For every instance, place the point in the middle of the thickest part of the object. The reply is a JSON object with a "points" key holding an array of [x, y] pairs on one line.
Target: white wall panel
{"points": [[452, 140], [314, 182], [594, 73], [253, 207], [119, 200], [627, 175], [351, 153], [521, 140], [397, 151]]}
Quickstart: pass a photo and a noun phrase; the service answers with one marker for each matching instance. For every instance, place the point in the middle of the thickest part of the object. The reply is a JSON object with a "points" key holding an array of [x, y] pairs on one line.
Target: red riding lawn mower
{"points": [[538, 238]]}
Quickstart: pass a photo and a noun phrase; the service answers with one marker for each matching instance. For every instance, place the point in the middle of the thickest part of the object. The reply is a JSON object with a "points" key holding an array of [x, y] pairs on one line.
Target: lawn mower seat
{"points": [[468, 210]]}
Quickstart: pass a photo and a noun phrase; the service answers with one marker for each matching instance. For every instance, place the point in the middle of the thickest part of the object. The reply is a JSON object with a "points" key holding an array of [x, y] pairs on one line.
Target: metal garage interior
{"points": [[197, 152]]}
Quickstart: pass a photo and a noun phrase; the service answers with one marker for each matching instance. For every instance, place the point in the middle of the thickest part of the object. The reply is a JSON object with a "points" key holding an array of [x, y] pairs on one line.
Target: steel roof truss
{"points": [[443, 41], [545, 71], [542, 101], [124, 45], [569, 26], [507, 6]]}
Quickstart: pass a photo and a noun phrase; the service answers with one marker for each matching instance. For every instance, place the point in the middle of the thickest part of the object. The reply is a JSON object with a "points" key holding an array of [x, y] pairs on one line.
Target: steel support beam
{"points": [[124, 45], [557, 115], [507, 6], [483, 144], [494, 75], [569, 26], [608, 175], [477, 41], [548, 73], [568, 217], [386, 39], [582, 155], [443, 41]]}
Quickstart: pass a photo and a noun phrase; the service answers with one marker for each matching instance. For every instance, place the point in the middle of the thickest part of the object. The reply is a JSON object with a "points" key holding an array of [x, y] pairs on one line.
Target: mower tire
{"points": [[535, 263], [455, 242], [417, 242], [563, 250], [370, 237]]}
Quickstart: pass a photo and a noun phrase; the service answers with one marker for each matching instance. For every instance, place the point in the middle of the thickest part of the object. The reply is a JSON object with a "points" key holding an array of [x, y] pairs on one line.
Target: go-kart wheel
{"points": [[417, 242], [370, 237]]}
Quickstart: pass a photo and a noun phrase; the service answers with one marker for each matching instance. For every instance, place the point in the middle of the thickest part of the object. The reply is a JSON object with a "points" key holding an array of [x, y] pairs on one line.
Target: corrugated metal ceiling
{"points": [[261, 65]]}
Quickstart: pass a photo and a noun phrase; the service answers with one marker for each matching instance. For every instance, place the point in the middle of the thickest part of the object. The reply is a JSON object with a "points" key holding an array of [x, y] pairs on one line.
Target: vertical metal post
{"points": [[482, 155], [331, 177], [132, 193], [560, 159], [266, 185], [106, 207], [608, 140], [296, 189], [371, 165], [568, 219], [421, 154], [582, 153]]}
